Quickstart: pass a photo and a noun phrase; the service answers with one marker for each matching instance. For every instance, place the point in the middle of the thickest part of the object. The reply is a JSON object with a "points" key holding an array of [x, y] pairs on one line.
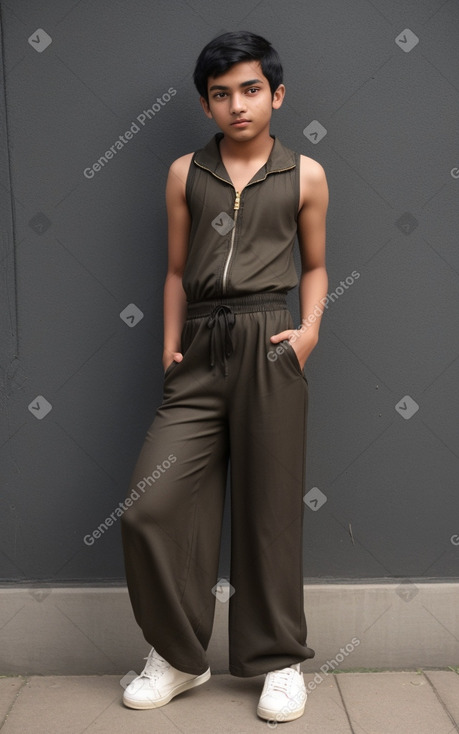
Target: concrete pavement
{"points": [[409, 702]]}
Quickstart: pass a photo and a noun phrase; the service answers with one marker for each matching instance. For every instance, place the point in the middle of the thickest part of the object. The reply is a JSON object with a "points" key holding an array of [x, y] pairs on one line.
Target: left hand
{"points": [[303, 342]]}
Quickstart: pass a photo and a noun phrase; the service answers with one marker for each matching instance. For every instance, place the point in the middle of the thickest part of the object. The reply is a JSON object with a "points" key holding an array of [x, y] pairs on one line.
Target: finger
{"points": [[275, 338]]}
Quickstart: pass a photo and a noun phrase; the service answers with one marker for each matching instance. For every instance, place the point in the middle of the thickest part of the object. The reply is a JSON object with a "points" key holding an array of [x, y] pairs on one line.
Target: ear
{"points": [[278, 97], [205, 107]]}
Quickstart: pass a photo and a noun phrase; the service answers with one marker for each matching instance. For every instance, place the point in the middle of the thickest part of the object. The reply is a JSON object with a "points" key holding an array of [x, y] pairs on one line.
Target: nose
{"points": [[237, 103]]}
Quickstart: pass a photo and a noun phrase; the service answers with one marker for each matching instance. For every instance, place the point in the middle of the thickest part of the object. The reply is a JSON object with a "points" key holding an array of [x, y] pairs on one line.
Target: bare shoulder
{"points": [[181, 165], [178, 172], [311, 170], [313, 180]]}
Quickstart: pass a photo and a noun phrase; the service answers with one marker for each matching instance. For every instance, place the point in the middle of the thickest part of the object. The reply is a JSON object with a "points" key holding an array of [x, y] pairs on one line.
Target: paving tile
{"points": [[61, 705], [446, 684], [378, 703], [324, 710], [9, 688], [393, 703], [224, 704], [92, 704]]}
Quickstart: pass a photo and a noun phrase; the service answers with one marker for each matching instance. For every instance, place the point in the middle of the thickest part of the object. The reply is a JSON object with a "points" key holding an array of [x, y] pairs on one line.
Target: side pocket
{"points": [[294, 358], [169, 368], [189, 341]]}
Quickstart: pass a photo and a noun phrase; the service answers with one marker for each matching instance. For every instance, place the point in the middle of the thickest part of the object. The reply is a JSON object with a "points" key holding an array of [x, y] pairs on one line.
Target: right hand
{"points": [[169, 357]]}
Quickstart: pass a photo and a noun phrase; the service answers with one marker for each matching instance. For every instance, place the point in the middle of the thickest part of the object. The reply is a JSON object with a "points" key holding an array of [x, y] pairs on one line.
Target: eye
{"points": [[219, 95], [252, 89]]}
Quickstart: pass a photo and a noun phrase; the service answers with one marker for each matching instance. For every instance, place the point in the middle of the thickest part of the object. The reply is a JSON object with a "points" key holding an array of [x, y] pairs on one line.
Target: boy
{"points": [[234, 390]]}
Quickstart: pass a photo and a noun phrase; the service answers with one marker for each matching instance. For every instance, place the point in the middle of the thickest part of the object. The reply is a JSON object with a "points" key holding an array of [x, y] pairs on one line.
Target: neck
{"points": [[257, 147]]}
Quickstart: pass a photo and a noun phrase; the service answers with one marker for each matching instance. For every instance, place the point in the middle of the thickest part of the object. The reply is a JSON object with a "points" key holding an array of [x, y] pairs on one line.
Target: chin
{"points": [[247, 132]]}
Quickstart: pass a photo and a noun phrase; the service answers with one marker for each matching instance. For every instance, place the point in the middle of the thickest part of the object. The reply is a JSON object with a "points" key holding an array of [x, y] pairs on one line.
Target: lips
{"points": [[237, 122]]}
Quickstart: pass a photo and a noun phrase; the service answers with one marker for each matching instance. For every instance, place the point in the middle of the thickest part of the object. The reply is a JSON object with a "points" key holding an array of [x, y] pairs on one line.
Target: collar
{"points": [[280, 159]]}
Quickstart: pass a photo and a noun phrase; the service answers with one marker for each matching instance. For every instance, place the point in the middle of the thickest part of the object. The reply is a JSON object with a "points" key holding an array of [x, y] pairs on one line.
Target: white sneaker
{"points": [[284, 695], [158, 683]]}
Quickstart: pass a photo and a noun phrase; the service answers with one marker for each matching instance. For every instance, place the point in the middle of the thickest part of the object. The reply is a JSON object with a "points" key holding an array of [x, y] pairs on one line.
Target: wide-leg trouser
{"points": [[250, 409]]}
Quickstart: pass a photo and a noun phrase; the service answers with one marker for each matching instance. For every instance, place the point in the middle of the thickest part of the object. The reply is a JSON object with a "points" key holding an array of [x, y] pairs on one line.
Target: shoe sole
{"points": [[271, 715], [192, 683]]}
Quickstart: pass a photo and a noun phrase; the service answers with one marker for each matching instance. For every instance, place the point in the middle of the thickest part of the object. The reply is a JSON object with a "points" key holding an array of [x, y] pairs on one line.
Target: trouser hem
{"points": [[188, 669], [246, 672]]}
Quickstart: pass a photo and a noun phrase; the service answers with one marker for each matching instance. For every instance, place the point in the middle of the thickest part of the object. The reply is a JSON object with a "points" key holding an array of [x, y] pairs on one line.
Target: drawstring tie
{"points": [[224, 330]]}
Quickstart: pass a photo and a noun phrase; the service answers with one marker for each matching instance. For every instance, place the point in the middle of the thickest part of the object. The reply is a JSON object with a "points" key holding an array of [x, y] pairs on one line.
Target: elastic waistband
{"points": [[238, 304]]}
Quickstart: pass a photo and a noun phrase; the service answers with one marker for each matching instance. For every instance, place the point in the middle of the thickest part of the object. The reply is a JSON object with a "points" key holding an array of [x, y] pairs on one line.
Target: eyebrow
{"points": [[243, 84]]}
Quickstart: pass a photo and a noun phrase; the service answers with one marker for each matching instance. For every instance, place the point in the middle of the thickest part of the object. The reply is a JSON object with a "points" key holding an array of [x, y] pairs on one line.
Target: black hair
{"points": [[230, 48]]}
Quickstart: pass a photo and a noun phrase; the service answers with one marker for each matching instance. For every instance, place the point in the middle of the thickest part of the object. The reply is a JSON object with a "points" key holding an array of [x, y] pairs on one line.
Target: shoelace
{"points": [[155, 665], [278, 680]]}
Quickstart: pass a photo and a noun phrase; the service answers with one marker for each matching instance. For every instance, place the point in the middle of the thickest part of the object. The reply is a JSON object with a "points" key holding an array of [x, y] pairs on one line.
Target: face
{"points": [[242, 93]]}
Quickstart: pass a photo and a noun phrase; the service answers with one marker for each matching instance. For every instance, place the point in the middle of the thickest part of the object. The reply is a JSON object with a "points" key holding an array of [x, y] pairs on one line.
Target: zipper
{"points": [[236, 206], [237, 202]]}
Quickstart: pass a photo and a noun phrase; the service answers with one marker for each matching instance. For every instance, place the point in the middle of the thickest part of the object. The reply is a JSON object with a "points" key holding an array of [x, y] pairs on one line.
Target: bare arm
{"points": [[178, 223], [313, 284]]}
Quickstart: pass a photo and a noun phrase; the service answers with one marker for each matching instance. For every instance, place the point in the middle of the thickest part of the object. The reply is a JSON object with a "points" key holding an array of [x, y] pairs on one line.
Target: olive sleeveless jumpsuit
{"points": [[231, 398]]}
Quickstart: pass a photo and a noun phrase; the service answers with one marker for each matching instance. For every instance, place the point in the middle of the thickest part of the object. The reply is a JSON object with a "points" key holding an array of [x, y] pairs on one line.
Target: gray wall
{"points": [[78, 251]]}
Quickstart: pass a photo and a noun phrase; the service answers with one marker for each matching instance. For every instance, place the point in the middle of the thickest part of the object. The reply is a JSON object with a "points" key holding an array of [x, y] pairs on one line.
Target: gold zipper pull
{"points": [[237, 200]]}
